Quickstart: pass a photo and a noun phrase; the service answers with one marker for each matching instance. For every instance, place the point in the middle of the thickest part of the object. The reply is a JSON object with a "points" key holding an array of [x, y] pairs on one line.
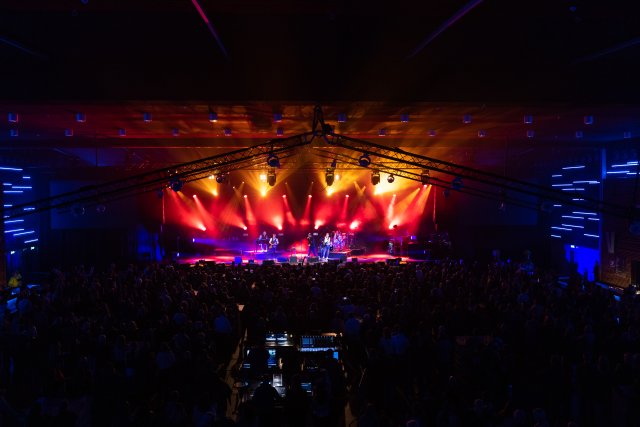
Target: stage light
{"points": [[425, 177], [81, 117], [263, 177], [375, 177], [531, 133], [346, 195], [122, 132], [222, 178], [466, 119], [271, 177], [175, 132], [68, 132], [364, 160], [195, 197], [588, 120], [456, 184], [280, 131], [176, 185], [579, 134], [263, 193], [337, 177], [342, 117], [277, 117], [482, 133], [528, 119], [284, 196], [211, 177], [244, 228], [432, 132], [147, 117], [227, 131], [404, 118], [13, 117], [245, 196], [273, 161], [309, 196], [391, 178], [213, 116], [14, 133], [329, 176], [382, 132]]}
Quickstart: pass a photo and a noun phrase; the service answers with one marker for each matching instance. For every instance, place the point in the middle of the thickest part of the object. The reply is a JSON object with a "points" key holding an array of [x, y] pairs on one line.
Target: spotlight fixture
{"points": [[329, 177], [13, 117], [364, 160], [280, 131], [528, 119], [175, 132], [432, 132], [122, 132], [404, 118], [263, 177], [68, 132], [213, 116], [531, 133], [375, 177], [81, 117], [277, 117], [466, 119], [342, 117], [227, 131], [271, 177], [14, 133], [222, 178], [588, 120], [382, 132], [176, 184], [456, 184], [425, 177], [391, 178], [273, 161], [146, 117]]}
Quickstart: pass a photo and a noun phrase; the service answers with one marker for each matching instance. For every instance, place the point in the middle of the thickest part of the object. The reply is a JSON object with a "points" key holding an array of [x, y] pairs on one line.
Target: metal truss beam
{"points": [[160, 178], [545, 194]]}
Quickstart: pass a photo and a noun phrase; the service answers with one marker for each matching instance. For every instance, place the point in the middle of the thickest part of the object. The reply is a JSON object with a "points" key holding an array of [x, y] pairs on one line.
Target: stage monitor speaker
{"points": [[393, 261], [251, 261], [354, 259], [237, 260], [312, 260], [268, 262], [293, 259], [282, 259]]}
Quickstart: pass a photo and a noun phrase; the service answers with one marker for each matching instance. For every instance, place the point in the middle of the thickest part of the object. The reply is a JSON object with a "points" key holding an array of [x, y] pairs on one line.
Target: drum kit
{"points": [[342, 241]]}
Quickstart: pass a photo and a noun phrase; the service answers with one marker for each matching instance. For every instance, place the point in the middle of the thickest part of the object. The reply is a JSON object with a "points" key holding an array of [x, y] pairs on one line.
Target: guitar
{"points": [[273, 242]]}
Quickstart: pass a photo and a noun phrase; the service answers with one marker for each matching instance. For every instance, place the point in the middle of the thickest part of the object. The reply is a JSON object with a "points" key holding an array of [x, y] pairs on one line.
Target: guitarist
{"points": [[273, 243]]}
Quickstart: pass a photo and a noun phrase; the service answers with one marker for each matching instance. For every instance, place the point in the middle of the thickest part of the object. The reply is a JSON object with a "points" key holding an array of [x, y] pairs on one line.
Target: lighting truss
{"points": [[469, 174], [160, 178]]}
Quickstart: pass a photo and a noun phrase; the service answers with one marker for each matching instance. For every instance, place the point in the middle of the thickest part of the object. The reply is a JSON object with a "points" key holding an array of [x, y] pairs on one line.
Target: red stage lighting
{"points": [[309, 196], [245, 196]]}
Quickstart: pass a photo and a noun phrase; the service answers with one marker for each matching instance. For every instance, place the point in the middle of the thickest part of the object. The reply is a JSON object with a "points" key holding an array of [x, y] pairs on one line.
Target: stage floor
{"points": [[286, 258]]}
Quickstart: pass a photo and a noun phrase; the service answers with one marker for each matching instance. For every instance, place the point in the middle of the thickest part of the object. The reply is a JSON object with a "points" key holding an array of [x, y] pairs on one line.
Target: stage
{"points": [[282, 257]]}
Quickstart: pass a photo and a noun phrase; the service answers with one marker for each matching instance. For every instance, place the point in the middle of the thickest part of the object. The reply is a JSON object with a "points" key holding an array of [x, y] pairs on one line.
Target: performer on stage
{"points": [[337, 241], [326, 245], [311, 241], [273, 243], [263, 241]]}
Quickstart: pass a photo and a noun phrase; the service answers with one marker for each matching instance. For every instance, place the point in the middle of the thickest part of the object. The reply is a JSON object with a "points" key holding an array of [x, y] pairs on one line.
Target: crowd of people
{"points": [[441, 344]]}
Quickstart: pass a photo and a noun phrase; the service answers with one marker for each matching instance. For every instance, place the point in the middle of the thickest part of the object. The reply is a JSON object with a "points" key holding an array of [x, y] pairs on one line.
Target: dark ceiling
{"points": [[320, 51], [435, 60]]}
